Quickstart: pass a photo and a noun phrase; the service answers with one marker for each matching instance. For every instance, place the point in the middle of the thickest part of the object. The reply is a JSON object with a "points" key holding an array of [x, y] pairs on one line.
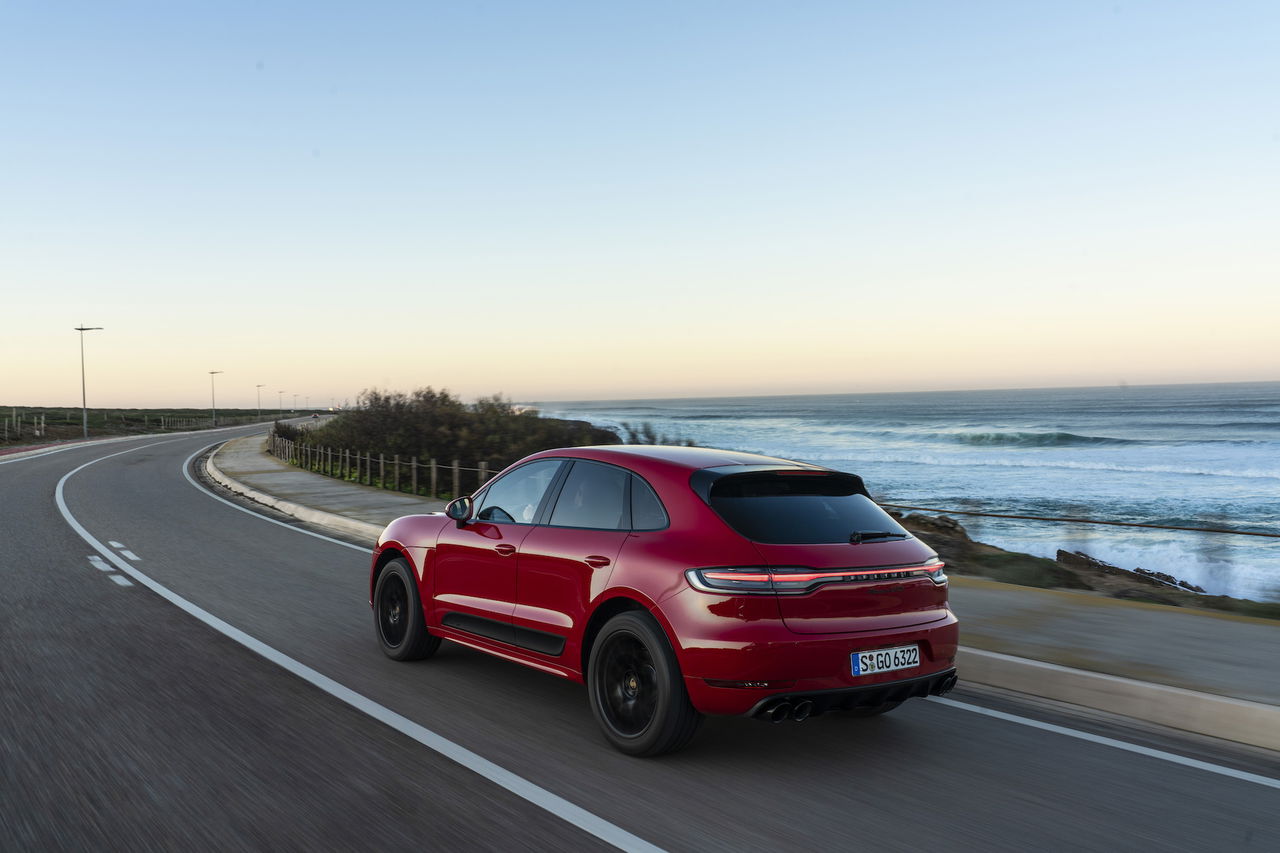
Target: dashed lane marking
{"points": [[100, 564], [123, 581], [119, 546]]}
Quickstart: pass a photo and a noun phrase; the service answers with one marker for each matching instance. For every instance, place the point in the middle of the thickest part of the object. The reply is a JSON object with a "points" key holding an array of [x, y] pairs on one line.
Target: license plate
{"points": [[885, 660]]}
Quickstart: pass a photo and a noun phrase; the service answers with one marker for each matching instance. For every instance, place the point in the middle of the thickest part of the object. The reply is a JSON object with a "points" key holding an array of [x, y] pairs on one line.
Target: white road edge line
{"points": [[518, 785], [186, 472], [1171, 757], [1012, 718]]}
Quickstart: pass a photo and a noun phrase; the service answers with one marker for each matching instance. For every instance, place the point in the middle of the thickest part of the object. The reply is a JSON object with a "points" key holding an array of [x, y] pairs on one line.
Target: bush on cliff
{"points": [[435, 424]]}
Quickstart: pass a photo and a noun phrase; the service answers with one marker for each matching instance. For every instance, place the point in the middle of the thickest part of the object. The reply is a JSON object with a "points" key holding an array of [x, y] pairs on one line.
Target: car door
{"points": [[474, 575], [566, 561]]}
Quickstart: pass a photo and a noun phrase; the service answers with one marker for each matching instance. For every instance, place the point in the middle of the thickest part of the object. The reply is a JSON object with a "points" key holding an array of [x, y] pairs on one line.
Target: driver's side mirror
{"points": [[459, 509]]}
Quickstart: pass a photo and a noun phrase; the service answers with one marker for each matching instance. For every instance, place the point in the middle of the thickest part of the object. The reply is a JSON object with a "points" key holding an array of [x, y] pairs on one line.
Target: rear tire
{"points": [[397, 615], [636, 690]]}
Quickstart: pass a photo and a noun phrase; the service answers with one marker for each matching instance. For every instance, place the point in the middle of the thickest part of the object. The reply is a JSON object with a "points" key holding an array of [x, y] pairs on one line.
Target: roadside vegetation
{"points": [[644, 433], [431, 424]]}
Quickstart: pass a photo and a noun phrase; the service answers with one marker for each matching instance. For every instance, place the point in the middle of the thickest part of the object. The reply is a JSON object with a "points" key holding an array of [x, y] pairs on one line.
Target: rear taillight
{"points": [[756, 579], [731, 580]]}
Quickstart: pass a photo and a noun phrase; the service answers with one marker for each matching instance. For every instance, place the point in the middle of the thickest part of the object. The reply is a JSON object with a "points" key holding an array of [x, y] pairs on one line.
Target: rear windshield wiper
{"points": [[860, 536]]}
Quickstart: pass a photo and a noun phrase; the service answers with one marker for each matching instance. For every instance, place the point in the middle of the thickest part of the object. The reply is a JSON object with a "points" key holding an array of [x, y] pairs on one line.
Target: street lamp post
{"points": [[281, 402], [260, 387], [213, 401], [295, 403], [84, 398]]}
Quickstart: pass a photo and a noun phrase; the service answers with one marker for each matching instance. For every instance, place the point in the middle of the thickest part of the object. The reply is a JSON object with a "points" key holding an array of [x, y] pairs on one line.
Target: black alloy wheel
{"points": [[397, 615], [637, 694], [629, 683]]}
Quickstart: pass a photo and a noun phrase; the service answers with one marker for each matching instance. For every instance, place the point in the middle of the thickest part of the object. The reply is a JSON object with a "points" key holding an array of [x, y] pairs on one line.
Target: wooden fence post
{"points": [[382, 470], [483, 476], [435, 489], [457, 479], [413, 468], [396, 469]]}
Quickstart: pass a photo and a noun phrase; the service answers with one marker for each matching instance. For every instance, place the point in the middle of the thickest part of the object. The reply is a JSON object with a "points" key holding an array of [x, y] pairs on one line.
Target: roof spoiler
{"points": [[702, 480]]}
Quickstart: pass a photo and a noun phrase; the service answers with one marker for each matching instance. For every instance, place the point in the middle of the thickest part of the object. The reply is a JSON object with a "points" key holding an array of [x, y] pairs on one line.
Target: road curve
{"points": [[130, 723]]}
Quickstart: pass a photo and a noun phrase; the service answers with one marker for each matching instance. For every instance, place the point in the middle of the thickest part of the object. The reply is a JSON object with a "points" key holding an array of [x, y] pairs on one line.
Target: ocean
{"points": [[1180, 455]]}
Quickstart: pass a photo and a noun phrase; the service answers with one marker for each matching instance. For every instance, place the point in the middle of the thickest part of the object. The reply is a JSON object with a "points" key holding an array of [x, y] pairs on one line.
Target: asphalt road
{"points": [[127, 722]]}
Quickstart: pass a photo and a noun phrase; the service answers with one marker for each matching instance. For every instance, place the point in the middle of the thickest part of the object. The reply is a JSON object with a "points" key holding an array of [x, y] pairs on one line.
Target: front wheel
{"points": [[636, 691], [397, 615]]}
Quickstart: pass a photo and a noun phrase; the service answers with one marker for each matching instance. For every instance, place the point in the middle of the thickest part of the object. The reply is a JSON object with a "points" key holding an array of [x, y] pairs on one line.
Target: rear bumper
{"points": [[867, 696], [732, 664]]}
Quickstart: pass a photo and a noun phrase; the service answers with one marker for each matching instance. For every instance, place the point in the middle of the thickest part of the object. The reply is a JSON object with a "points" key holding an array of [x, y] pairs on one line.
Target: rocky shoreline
{"points": [[1070, 570]]}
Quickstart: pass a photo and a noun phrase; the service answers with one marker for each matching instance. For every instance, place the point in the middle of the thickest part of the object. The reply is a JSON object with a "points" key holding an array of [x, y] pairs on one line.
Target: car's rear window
{"points": [[798, 509]]}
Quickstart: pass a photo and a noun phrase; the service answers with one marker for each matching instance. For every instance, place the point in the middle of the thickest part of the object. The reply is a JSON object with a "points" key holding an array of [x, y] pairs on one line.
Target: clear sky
{"points": [[603, 200]]}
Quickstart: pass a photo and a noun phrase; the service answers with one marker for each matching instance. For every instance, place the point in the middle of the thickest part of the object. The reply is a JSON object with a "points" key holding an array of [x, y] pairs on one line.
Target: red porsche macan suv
{"points": [[675, 582]]}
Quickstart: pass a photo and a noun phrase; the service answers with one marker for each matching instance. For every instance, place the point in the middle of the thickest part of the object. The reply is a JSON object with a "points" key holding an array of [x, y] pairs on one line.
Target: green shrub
{"points": [[435, 424]]}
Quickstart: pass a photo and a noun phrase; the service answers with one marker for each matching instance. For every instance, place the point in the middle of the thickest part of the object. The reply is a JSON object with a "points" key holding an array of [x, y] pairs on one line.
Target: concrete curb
{"points": [[341, 524], [1253, 723]]}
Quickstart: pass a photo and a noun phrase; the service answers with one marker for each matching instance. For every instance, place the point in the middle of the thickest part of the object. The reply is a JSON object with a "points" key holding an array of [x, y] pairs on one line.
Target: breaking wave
{"points": [[1039, 439]]}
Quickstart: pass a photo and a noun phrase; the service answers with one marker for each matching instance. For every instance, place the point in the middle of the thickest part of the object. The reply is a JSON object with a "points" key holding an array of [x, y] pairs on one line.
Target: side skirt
{"points": [[504, 632]]}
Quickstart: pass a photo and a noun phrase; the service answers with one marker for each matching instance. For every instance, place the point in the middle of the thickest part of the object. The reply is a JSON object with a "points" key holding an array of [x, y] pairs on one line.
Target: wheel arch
{"points": [[388, 553], [610, 607]]}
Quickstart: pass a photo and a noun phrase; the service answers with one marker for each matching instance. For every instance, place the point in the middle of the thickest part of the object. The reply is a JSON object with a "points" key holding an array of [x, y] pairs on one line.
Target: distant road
{"points": [[129, 723]]}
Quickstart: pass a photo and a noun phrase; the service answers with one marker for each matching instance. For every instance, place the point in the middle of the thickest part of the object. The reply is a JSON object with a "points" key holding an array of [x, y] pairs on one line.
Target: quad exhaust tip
{"points": [[787, 711], [802, 709]]}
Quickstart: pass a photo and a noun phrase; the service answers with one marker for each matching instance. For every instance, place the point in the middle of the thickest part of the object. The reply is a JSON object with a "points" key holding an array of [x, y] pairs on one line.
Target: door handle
{"points": [[595, 561], [504, 549]]}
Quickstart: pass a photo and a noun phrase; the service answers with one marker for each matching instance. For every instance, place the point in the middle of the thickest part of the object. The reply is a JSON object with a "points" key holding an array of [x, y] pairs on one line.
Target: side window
{"points": [[515, 496], [646, 510], [593, 496]]}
